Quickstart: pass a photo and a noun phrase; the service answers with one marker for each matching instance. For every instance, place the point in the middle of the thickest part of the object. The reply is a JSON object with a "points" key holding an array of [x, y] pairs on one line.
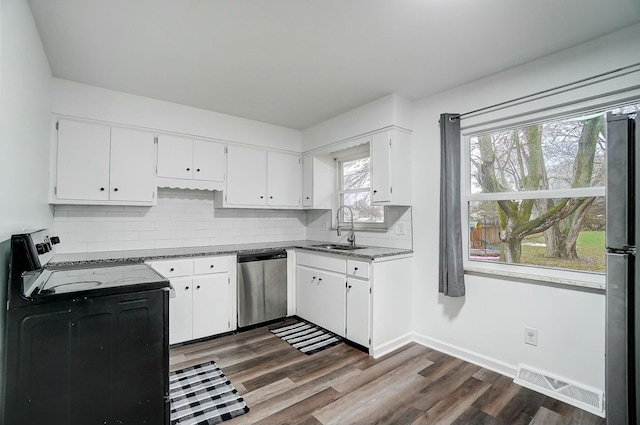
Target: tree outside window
{"points": [[536, 193]]}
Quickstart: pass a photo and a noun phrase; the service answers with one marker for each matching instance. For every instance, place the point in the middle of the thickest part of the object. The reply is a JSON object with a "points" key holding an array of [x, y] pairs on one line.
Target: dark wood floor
{"points": [[342, 385]]}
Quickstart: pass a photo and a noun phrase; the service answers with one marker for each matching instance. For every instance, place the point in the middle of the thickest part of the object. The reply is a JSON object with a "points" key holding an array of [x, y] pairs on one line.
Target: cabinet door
{"points": [[358, 311], [208, 161], [380, 168], [306, 282], [131, 165], [283, 179], [246, 174], [180, 311], [83, 161], [331, 303], [307, 180], [175, 157], [211, 305]]}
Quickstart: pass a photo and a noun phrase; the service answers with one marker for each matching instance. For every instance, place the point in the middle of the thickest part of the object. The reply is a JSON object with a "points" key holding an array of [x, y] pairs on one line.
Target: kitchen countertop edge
{"points": [[140, 256]]}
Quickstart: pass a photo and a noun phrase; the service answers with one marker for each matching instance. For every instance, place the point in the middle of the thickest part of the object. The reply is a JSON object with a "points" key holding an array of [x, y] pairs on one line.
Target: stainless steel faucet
{"points": [[352, 235]]}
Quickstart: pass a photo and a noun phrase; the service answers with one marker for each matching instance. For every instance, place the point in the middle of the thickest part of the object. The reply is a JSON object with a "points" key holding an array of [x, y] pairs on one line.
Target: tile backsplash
{"points": [[185, 218], [398, 234]]}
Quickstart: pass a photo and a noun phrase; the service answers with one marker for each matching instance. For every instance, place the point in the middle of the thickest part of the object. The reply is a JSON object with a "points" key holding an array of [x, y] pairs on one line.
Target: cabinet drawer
{"points": [[210, 265], [173, 268], [333, 264], [358, 269]]}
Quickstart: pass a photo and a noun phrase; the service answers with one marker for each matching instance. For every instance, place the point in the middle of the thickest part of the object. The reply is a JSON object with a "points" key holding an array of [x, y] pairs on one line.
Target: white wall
{"points": [[25, 108], [91, 102], [487, 325], [381, 113]]}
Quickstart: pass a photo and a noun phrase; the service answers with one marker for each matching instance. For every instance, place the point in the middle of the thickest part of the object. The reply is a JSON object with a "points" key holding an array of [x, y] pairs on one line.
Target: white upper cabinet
{"points": [[318, 181], [208, 161], [283, 179], [132, 176], [175, 157], [96, 164], [246, 180], [307, 181], [260, 178], [191, 164], [391, 168]]}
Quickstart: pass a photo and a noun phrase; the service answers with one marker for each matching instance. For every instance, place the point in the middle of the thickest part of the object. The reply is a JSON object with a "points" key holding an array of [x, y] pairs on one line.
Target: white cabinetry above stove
{"points": [[190, 163], [101, 165]]}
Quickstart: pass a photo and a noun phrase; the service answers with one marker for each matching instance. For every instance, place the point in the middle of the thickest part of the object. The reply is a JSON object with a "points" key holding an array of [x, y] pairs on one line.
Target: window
{"points": [[534, 194], [354, 191]]}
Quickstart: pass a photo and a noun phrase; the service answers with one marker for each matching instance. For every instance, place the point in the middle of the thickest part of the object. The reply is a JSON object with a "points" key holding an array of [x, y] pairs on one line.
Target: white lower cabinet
{"points": [[305, 293], [211, 312], [366, 299], [205, 296], [180, 311], [358, 303], [325, 298], [321, 298]]}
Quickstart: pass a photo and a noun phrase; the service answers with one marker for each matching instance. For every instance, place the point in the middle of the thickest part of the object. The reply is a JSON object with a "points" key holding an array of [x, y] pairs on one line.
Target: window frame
{"points": [[527, 272], [359, 152]]}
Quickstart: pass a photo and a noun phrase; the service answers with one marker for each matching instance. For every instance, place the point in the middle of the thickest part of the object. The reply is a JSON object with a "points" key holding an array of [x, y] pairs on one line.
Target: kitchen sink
{"points": [[337, 246]]}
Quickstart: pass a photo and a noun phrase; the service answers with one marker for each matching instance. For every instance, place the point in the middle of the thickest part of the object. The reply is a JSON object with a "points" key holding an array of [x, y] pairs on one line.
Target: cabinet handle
{"points": [[171, 269], [320, 280], [262, 197], [270, 197], [198, 287], [115, 189], [102, 189], [198, 170], [188, 169], [314, 277], [349, 286], [186, 288], [375, 191], [355, 269], [306, 197], [211, 266]]}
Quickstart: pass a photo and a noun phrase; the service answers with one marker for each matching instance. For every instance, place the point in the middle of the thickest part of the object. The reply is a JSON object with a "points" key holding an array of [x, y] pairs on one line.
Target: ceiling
{"points": [[299, 62]]}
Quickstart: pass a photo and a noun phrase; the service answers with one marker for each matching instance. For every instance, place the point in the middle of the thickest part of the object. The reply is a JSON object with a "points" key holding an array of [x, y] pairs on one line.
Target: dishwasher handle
{"points": [[261, 256]]}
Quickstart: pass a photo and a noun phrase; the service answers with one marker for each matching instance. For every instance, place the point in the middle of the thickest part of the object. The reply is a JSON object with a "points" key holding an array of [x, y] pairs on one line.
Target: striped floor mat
{"points": [[202, 395], [306, 337]]}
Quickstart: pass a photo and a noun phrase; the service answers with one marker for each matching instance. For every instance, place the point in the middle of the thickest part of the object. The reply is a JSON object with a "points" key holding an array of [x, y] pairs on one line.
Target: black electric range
{"points": [[84, 345]]}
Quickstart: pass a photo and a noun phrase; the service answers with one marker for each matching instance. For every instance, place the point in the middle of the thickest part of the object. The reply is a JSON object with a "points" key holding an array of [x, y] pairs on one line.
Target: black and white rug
{"points": [[202, 395], [307, 337]]}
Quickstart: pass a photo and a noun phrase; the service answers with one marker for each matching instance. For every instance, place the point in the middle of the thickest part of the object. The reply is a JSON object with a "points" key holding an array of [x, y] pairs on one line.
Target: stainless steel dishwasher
{"points": [[262, 287]]}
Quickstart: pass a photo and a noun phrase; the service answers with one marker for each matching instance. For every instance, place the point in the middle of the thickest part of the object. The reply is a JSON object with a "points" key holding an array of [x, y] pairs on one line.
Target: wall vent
{"points": [[578, 395]]}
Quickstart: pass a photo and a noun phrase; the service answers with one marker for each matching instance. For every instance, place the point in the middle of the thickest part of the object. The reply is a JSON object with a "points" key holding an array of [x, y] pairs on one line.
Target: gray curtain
{"points": [[451, 269]]}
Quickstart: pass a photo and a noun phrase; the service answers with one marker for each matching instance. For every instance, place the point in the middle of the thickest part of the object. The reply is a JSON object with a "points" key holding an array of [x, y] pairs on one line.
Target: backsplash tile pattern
{"points": [[319, 220], [181, 218], [185, 218]]}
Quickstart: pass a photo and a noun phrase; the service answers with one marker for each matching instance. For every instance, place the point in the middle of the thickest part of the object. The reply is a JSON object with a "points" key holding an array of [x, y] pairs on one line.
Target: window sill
{"points": [[561, 281]]}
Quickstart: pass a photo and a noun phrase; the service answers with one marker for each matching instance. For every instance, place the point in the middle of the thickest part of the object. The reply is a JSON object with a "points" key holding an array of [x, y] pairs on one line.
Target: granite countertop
{"points": [[137, 256]]}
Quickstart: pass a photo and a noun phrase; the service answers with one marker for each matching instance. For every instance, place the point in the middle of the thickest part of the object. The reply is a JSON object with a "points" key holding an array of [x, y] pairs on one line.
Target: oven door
{"points": [[89, 361]]}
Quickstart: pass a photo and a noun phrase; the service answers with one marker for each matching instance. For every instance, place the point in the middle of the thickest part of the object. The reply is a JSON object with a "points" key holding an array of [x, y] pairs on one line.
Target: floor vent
{"points": [[578, 395]]}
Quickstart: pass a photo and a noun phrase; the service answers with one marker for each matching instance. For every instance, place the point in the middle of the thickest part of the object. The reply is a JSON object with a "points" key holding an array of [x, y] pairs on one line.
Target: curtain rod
{"points": [[460, 116]]}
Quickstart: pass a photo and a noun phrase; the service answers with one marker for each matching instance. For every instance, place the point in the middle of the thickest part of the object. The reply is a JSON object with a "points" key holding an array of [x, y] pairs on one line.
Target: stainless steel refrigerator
{"points": [[622, 349]]}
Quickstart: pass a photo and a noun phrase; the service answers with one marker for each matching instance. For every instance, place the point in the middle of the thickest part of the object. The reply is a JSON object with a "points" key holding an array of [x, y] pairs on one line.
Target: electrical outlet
{"points": [[325, 226], [400, 229], [531, 336]]}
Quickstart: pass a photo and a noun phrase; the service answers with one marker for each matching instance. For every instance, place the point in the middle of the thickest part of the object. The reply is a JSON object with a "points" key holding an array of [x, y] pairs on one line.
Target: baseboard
{"points": [[388, 347], [467, 355]]}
